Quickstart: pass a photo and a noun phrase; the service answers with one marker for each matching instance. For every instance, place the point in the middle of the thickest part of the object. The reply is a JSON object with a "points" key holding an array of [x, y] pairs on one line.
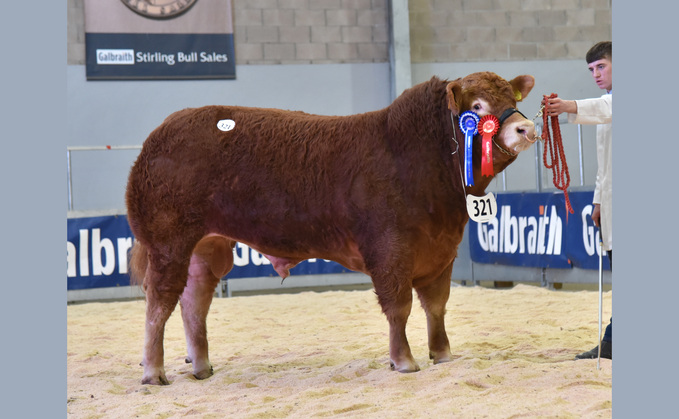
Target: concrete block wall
{"points": [[287, 31], [506, 30], [76, 33], [357, 31], [311, 32]]}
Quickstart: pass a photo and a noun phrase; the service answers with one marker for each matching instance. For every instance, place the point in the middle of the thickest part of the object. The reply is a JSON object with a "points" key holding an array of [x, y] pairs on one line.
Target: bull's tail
{"points": [[138, 263]]}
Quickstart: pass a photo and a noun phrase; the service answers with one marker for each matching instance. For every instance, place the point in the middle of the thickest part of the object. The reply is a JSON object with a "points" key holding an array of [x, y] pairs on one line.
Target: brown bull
{"points": [[379, 192]]}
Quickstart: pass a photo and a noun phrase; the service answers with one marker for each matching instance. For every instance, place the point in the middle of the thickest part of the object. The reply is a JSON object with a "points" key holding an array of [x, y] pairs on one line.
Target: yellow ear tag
{"points": [[518, 96]]}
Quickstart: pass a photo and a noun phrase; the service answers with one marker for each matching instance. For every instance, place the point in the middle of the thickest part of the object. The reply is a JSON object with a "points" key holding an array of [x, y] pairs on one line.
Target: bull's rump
{"points": [[286, 183]]}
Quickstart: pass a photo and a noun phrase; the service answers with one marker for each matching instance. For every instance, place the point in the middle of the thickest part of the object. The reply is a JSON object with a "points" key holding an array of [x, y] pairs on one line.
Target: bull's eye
{"points": [[480, 107]]}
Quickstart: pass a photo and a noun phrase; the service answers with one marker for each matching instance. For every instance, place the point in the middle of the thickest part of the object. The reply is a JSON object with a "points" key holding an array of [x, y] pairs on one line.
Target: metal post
{"points": [[601, 280], [543, 278], [473, 280], [399, 47], [69, 179]]}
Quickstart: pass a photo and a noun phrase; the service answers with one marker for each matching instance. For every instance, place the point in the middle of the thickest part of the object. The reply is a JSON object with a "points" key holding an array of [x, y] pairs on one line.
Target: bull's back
{"points": [[286, 144]]}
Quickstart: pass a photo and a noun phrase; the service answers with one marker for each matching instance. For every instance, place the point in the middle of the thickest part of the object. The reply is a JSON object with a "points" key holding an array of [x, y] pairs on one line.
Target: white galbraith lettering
{"points": [[526, 234], [128, 56], [104, 254], [590, 235], [115, 56]]}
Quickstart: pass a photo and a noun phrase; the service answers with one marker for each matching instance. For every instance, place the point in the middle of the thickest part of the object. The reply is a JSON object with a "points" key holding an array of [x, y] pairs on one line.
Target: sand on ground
{"points": [[326, 355]]}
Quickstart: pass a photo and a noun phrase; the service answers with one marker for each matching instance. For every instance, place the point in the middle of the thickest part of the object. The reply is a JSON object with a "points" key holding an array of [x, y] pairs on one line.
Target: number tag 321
{"points": [[481, 209]]}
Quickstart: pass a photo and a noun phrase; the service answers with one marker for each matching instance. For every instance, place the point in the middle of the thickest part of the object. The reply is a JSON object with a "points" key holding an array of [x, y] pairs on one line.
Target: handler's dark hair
{"points": [[600, 51]]}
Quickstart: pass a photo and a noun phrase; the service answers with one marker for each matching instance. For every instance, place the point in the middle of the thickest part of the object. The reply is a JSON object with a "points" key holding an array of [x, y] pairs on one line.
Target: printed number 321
{"points": [[481, 209], [485, 208]]}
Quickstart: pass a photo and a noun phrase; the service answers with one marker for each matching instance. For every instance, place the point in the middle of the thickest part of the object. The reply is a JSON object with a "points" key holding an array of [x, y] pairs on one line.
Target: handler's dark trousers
{"points": [[608, 334]]}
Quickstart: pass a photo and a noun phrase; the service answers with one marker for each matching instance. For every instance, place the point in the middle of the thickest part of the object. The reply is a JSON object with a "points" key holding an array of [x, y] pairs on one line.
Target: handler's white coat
{"points": [[600, 111]]}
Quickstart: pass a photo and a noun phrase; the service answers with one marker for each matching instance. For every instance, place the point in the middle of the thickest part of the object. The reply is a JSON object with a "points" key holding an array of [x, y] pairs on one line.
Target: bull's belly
{"points": [[284, 254]]}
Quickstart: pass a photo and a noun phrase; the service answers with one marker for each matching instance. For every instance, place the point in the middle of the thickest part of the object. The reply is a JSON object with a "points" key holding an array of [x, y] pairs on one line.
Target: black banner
{"points": [[159, 56], [159, 39]]}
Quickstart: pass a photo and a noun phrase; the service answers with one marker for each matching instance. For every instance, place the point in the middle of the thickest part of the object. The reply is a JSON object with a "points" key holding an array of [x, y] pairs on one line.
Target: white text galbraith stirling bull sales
{"points": [[130, 57]]}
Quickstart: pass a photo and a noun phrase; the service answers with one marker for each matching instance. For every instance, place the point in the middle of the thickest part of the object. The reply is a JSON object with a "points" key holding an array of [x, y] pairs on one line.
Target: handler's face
{"points": [[602, 71]]}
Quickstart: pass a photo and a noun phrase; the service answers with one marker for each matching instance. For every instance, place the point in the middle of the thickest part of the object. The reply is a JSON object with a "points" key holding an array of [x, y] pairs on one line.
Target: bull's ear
{"points": [[454, 95], [522, 85]]}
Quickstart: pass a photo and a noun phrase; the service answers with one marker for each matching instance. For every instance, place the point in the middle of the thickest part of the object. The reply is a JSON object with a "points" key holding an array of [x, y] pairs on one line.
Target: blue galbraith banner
{"points": [[97, 256], [165, 39], [531, 230], [534, 230]]}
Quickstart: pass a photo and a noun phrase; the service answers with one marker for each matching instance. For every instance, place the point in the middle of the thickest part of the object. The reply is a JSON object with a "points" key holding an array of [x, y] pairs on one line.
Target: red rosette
{"points": [[488, 127]]}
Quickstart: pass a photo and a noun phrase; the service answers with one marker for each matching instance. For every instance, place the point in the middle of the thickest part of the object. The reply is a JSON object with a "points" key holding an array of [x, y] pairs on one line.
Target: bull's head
{"points": [[489, 94]]}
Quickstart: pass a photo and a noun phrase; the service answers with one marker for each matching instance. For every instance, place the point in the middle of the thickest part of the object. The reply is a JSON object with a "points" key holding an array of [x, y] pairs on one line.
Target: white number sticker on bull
{"points": [[226, 124], [481, 209]]}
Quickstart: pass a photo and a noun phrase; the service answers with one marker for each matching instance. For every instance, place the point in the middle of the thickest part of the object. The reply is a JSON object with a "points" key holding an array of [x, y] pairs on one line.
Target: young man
{"points": [[597, 111]]}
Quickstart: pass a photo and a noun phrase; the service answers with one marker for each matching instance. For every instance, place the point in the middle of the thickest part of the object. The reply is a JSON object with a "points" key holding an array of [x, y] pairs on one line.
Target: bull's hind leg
{"points": [[434, 297], [163, 285], [396, 300], [212, 258]]}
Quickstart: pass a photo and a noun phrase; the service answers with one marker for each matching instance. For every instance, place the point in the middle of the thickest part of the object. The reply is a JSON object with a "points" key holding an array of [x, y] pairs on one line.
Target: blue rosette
{"points": [[469, 124]]}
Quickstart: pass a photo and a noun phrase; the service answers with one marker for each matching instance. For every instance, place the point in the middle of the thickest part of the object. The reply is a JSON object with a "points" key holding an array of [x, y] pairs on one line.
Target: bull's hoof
{"points": [[405, 367], [159, 380], [206, 373], [442, 357]]}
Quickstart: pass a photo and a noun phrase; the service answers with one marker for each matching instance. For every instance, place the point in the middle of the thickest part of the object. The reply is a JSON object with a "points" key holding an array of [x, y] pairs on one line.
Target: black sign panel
{"points": [[159, 56], [159, 39]]}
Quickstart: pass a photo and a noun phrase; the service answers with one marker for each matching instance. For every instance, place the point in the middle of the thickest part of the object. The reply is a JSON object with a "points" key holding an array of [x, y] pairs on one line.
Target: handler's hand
{"points": [[596, 215], [556, 106]]}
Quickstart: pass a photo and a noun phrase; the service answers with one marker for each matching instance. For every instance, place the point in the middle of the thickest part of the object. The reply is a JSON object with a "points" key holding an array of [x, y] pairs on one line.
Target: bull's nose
{"points": [[527, 130]]}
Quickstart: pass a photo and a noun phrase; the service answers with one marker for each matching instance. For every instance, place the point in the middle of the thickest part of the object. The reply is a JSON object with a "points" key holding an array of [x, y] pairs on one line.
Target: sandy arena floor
{"points": [[326, 355]]}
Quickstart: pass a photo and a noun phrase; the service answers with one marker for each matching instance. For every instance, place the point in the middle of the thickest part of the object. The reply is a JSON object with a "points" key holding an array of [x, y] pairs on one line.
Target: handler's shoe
{"points": [[606, 351]]}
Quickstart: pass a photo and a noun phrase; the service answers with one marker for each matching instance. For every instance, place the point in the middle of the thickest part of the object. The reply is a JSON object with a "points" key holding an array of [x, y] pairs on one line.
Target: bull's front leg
{"points": [[396, 301], [434, 297]]}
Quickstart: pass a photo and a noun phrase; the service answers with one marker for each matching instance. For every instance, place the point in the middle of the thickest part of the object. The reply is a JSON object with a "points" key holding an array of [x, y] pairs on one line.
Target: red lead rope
{"points": [[561, 177]]}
